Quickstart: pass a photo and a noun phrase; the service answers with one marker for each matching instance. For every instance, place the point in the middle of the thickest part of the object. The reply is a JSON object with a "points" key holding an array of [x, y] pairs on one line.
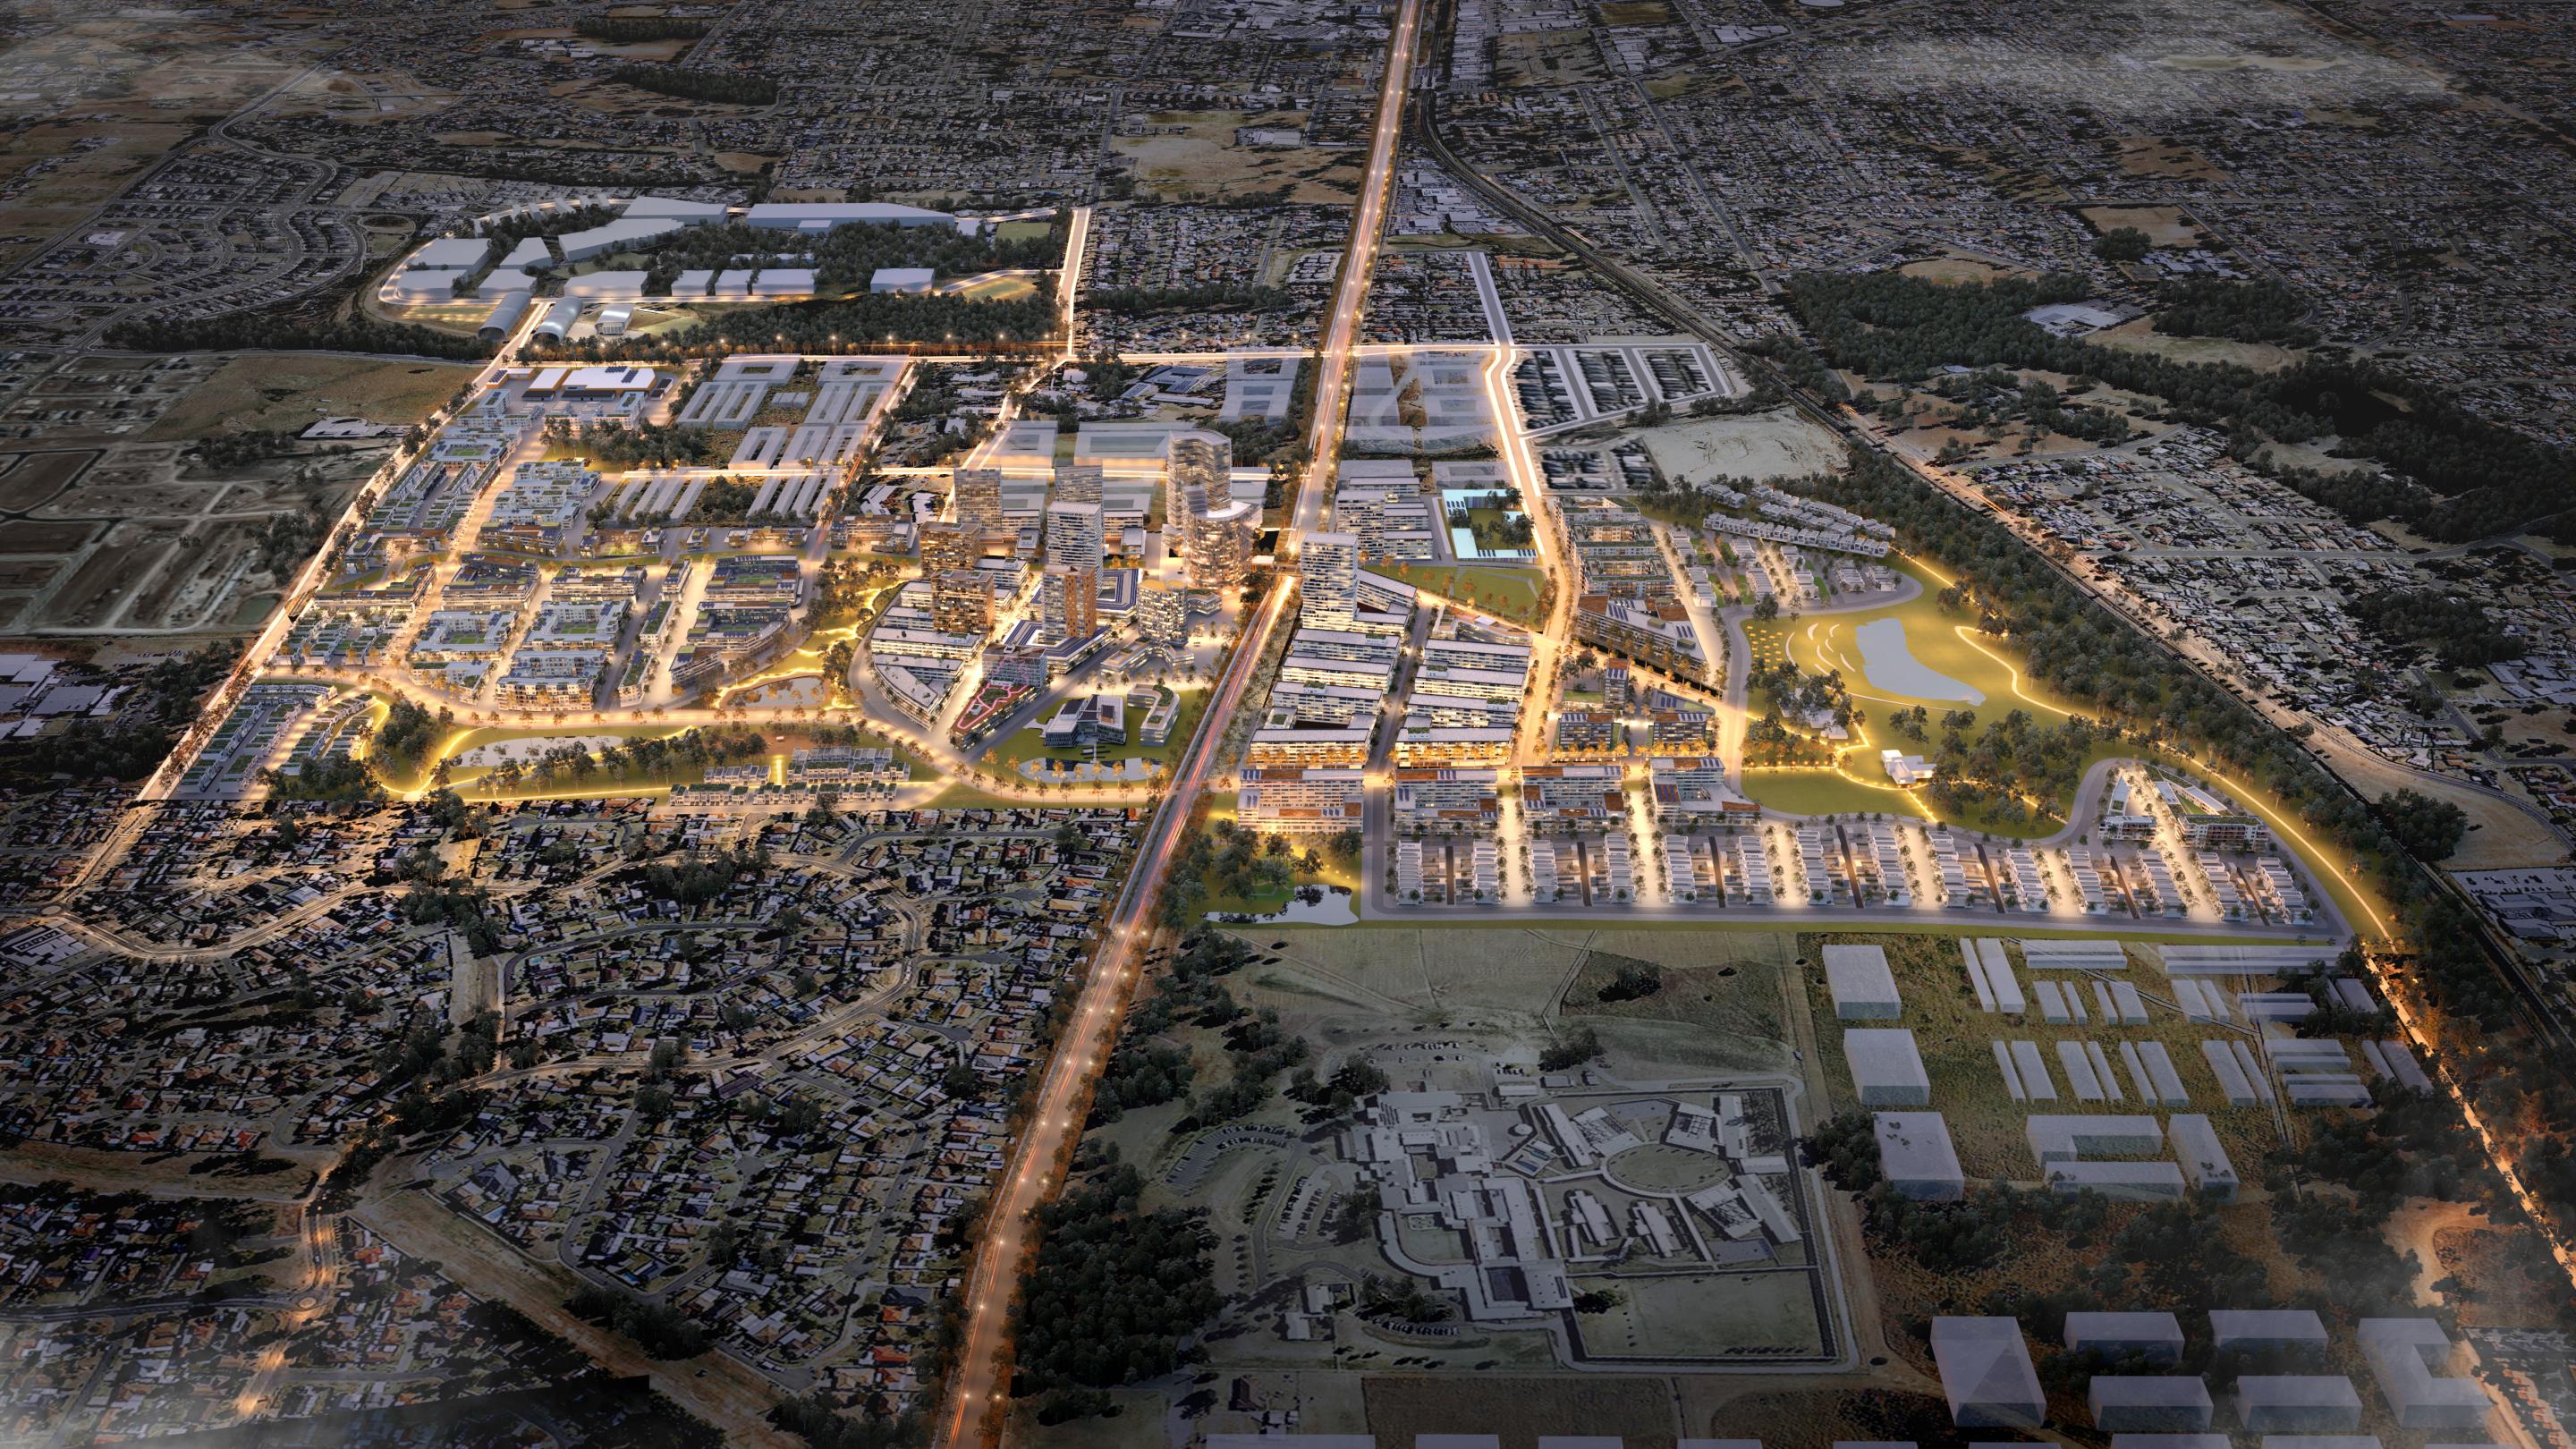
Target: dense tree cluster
{"points": [[224, 452], [1258, 1051], [2455, 629], [1570, 1051], [2408, 1146], [2481, 478], [637, 29], [333, 778], [1794, 702], [1142, 1072], [662, 1331], [1112, 1289], [641, 444], [1228, 860], [699, 877], [2360, 494], [2014, 771], [649, 759], [1206, 297], [1147, 1072], [1340, 1094], [2121, 244], [1630, 980], [408, 732], [2348, 1253], [842, 590], [278, 332], [2429, 829], [1257, 440], [2256, 311], [828, 325], [288, 539], [461, 907], [1992, 399], [1845, 1146], [139, 737], [732, 88], [844, 258], [727, 499]]}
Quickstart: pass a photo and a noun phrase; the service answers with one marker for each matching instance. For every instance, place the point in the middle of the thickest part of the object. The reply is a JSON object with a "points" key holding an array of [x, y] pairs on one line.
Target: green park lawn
{"points": [[1029, 743], [1814, 790], [1511, 593], [1941, 642]]}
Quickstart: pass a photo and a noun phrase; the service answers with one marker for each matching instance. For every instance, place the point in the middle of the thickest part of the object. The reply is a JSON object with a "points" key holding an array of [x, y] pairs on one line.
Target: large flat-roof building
{"points": [[1074, 536], [1301, 801], [1448, 800], [1068, 602], [1220, 540], [1886, 1067], [1986, 1373], [1916, 1157], [962, 602], [822, 216], [975, 502], [1328, 567]]}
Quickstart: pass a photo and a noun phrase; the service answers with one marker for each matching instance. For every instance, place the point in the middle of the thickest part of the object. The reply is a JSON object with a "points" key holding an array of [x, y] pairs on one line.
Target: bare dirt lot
{"points": [[2500, 836], [28, 479], [1777, 444], [1955, 269], [2165, 226], [1195, 151], [1640, 1410], [1547, 58], [713, 1386], [92, 595], [2159, 156], [2141, 336]]}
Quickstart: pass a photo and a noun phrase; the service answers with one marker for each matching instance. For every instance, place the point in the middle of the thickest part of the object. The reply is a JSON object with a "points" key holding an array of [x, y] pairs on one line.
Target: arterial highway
{"points": [[980, 1381], [1342, 323]]}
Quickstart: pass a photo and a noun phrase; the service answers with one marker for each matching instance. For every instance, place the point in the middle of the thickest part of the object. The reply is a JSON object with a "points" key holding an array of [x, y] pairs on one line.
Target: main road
{"points": [[979, 1385], [981, 1379], [1350, 299]]}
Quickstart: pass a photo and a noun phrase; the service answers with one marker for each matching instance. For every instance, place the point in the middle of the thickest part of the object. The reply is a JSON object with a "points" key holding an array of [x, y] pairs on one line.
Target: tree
{"points": [[1846, 1147], [1111, 1289], [662, 1331], [2429, 829], [2121, 244], [2457, 630], [1354, 1217], [728, 87], [1574, 1051]]}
